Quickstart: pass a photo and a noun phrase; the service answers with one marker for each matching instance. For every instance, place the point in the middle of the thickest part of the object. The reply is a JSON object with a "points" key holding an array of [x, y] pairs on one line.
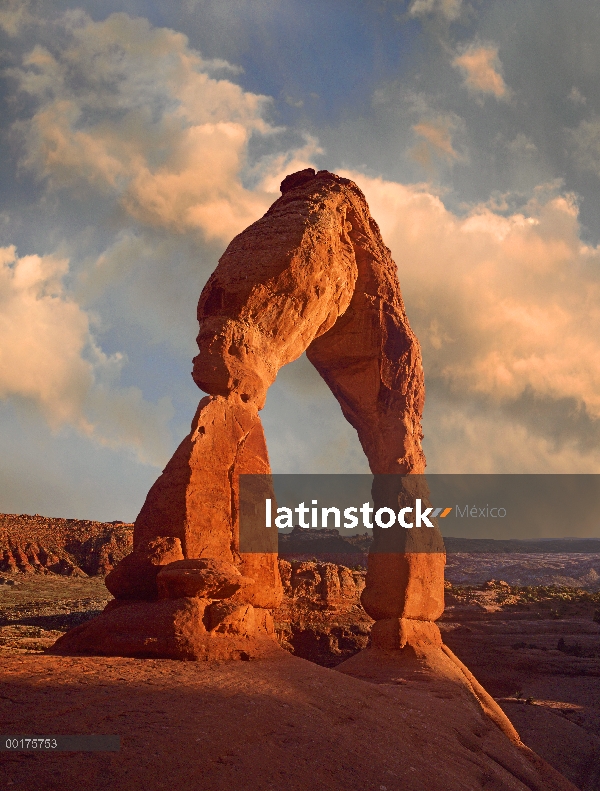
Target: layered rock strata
{"points": [[312, 275], [34, 544]]}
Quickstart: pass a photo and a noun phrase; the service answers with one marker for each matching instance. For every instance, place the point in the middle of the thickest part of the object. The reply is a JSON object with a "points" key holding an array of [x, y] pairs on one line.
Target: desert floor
{"points": [[286, 723]]}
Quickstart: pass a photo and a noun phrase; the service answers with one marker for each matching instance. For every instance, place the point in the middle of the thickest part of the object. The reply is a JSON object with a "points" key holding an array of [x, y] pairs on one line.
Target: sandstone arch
{"points": [[312, 275]]}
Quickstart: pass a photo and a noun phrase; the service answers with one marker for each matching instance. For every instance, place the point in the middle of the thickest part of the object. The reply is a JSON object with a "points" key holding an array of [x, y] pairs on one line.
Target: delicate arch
{"points": [[312, 275]]}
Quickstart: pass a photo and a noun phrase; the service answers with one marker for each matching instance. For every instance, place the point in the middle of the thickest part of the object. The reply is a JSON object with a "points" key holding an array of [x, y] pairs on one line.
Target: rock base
{"points": [[395, 633], [185, 628], [404, 650]]}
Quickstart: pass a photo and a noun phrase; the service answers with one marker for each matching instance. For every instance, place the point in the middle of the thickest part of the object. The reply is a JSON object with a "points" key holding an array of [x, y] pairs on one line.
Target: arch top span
{"points": [[314, 275]]}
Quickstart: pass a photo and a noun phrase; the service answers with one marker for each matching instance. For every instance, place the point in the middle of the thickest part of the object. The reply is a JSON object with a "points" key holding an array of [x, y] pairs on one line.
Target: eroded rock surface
{"points": [[320, 617], [34, 544]]}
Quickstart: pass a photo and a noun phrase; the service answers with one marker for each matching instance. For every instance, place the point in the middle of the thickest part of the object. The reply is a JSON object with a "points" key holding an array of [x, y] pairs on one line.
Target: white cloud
{"points": [[42, 336], [49, 359], [481, 68], [510, 302], [132, 120], [133, 112], [466, 439], [502, 305]]}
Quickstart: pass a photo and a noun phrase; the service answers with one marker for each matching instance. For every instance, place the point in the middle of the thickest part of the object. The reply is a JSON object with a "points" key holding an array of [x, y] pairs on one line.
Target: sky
{"points": [[139, 137]]}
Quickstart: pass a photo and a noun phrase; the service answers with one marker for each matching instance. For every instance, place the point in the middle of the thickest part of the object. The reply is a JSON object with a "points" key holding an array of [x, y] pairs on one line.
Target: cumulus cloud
{"points": [[503, 305], [133, 112], [134, 119], [42, 336], [131, 121], [481, 69], [510, 302], [474, 438], [49, 359]]}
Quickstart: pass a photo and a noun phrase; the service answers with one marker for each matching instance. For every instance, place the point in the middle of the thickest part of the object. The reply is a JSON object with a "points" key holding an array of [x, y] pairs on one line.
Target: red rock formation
{"points": [[312, 275], [321, 585], [280, 284], [73, 547], [190, 628], [194, 502]]}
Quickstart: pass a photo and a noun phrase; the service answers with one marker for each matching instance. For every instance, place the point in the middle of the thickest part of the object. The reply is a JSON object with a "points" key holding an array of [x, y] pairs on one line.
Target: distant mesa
{"points": [[70, 547], [322, 541]]}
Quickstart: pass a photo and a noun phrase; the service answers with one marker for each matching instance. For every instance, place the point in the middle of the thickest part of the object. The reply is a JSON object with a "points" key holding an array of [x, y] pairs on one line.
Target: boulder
{"points": [[135, 576], [182, 628]]}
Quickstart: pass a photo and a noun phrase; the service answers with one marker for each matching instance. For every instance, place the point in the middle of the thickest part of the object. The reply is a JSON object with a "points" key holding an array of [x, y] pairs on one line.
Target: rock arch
{"points": [[314, 275]]}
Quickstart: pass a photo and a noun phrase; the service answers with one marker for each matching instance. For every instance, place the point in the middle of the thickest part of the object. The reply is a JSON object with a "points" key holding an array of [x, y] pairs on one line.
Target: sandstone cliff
{"points": [[39, 544]]}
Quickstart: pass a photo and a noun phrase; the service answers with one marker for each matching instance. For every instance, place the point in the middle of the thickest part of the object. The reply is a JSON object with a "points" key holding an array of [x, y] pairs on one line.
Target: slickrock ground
{"points": [[498, 631], [269, 724]]}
